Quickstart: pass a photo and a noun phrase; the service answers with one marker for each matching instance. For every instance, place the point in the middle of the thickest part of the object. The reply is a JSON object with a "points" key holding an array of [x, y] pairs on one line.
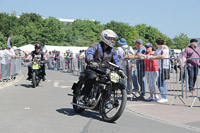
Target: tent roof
{"points": [[28, 47], [63, 48]]}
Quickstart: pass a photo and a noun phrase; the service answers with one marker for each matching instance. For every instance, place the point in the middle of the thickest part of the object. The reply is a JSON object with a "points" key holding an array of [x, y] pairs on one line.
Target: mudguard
{"points": [[74, 86]]}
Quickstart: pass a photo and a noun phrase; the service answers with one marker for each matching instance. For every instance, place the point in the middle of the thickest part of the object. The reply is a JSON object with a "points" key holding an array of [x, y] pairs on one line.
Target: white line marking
{"points": [[73, 81], [65, 86], [26, 108], [56, 84]]}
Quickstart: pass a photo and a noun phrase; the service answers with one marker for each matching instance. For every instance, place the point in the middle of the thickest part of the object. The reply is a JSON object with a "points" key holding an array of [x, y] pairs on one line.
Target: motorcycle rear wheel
{"points": [[77, 92]]}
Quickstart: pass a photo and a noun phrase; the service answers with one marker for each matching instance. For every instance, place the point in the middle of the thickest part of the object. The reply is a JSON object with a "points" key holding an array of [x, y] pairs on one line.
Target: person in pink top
{"points": [[151, 71]]}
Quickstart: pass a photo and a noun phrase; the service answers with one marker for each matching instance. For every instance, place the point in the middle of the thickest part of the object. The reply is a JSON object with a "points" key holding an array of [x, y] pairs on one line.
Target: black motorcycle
{"points": [[108, 95], [36, 72]]}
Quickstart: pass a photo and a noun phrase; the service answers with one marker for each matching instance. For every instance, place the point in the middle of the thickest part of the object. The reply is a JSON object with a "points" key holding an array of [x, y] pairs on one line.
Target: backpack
{"points": [[127, 51]]}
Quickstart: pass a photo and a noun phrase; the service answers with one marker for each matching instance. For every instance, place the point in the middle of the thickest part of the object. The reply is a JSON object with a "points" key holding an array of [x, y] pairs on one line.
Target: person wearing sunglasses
{"points": [[151, 71]]}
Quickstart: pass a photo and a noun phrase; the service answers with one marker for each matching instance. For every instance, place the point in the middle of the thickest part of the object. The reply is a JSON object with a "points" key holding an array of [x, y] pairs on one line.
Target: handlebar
{"points": [[110, 66]]}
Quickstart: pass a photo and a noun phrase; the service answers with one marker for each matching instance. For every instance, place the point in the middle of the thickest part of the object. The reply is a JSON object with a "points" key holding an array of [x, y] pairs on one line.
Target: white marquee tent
{"points": [[28, 47], [63, 48]]}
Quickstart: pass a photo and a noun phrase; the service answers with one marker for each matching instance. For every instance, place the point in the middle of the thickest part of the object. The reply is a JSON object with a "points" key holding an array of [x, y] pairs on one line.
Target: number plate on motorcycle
{"points": [[35, 66], [114, 77]]}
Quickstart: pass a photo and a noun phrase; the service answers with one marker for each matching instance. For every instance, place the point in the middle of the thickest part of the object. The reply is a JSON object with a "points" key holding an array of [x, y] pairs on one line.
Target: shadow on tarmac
{"points": [[25, 85], [87, 114]]}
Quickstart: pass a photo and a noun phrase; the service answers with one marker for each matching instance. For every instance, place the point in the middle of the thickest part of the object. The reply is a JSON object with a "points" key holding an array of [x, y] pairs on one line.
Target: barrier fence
{"points": [[192, 83], [140, 80], [75, 66], [9, 68]]}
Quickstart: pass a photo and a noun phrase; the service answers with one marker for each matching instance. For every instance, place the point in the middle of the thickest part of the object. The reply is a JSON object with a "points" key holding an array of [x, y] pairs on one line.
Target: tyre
{"points": [[77, 92], [34, 79], [113, 107]]}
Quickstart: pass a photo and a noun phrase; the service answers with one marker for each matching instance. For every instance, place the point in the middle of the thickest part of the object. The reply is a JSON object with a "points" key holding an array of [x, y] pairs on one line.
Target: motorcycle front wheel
{"points": [[34, 82], [113, 107]]}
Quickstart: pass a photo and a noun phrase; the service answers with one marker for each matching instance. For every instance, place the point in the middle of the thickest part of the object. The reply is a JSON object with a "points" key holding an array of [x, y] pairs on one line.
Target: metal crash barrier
{"points": [[149, 76], [74, 66], [192, 76], [9, 68], [140, 81]]}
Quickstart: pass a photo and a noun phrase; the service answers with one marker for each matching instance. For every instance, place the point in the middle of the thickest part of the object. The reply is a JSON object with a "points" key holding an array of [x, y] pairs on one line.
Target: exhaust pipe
{"points": [[81, 106], [86, 107]]}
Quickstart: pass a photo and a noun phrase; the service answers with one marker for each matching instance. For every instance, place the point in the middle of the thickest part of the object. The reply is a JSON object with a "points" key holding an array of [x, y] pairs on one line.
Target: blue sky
{"points": [[171, 17]]}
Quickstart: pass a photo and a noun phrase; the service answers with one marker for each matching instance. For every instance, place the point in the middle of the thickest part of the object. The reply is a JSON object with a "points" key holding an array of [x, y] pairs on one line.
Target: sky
{"points": [[171, 17]]}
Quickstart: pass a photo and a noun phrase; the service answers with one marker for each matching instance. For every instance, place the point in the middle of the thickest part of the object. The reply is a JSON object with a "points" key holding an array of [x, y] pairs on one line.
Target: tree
{"points": [[181, 41], [150, 34], [122, 29], [83, 32], [17, 40], [2, 41], [32, 28], [133, 35], [52, 32]]}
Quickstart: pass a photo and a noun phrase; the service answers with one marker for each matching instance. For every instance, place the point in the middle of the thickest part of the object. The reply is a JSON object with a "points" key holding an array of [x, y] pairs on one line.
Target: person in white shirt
{"points": [[82, 54], [8, 52], [6, 60], [164, 64], [121, 51]]}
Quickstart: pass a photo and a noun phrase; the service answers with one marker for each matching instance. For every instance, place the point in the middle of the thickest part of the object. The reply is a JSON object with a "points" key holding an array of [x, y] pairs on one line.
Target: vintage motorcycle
{"points": [[36, 72], [108, 95]]}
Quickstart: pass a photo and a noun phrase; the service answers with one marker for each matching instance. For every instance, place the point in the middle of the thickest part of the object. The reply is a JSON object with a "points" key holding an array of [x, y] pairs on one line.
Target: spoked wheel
{"points": [[77, 92], [112, 108], [34, 82]]}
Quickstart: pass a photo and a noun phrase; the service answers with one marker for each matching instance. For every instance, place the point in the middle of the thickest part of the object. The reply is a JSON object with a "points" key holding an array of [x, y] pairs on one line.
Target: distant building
{"points": [[65, 21]]}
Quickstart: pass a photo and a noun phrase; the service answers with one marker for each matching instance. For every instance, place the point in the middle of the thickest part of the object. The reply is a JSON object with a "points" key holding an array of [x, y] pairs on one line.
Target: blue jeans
{"points": [[138, 76], [162, 85], [134, 79], [192, 76]]}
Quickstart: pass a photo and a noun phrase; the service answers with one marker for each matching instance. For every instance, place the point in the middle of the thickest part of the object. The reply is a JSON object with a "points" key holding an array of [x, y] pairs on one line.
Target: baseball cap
{"points": [[149, 45], [139, 41]]}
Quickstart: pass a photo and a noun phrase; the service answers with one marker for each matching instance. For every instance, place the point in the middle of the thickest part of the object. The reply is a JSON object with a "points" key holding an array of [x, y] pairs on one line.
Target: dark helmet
{"points": [[37, 46]]}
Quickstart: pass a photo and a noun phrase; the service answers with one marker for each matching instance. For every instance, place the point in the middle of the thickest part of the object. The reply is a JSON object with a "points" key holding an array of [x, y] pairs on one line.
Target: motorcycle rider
{"points": [[100, 53], [37, 53]]}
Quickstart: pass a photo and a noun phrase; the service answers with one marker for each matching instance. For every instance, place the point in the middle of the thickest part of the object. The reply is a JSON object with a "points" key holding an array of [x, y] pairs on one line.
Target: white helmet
{"points": [[105, 34]]}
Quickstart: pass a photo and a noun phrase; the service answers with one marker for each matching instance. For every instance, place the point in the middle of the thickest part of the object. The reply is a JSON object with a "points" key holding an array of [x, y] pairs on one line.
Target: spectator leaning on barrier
{"points": [[124, 49], [7, 54], [164, 71], [140, 68], [192, 51], [82, 54], [151, 71]]}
